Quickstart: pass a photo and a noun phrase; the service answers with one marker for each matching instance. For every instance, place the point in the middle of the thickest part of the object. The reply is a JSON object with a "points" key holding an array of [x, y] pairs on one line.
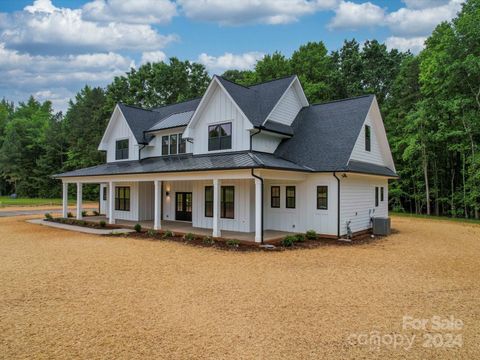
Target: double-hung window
{"points": [[220, 137], [376, 196], [382, 193], [121, 149], [227, 202], [290, 197], [322, 197], [275, 196], [165, 145], [122, 198], [173, 144]]}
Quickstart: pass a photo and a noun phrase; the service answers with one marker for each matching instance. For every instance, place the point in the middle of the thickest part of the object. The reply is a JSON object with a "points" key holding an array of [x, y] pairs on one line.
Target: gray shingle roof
{"points": [[326, 133], [257, 101], [368, 168], [187, 162], [174, 120], [140, 120]]}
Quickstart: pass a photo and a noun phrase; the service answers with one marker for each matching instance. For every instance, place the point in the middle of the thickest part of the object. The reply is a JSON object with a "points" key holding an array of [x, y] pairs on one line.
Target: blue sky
{"points": [[52, 48]]}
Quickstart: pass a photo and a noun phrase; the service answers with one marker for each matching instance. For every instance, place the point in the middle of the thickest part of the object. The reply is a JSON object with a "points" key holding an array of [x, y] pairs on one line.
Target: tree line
{"points": [[430, 103]]}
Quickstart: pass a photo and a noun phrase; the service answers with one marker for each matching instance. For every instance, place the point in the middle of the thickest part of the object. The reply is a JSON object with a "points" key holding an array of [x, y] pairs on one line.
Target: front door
{"points": [[183, 206]]}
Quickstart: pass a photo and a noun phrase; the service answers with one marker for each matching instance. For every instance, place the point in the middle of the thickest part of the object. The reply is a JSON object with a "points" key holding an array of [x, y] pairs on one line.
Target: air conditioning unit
{"points": [[381, 226]]}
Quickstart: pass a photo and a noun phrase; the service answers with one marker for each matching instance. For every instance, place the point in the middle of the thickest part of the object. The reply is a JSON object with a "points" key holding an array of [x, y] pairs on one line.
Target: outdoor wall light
{"points": [[167, 193]]}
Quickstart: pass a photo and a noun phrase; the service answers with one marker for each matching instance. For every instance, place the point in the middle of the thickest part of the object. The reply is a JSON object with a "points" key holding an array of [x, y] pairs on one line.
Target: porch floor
{"points": [[186, 227]]}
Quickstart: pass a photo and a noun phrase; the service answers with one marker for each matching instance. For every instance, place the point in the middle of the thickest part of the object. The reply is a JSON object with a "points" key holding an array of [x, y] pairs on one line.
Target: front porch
{"points": [[186, 227]]}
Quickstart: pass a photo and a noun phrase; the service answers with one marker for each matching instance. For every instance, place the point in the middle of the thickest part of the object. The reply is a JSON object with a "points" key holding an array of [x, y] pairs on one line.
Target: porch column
{"points": [[157, 219], [216, 208], [258, 210], [79, 201], [65, 200], [111, 202]]}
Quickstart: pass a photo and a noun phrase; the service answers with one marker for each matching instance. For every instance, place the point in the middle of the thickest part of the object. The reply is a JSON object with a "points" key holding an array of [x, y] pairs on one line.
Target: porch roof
{"points": [[188, 162]]}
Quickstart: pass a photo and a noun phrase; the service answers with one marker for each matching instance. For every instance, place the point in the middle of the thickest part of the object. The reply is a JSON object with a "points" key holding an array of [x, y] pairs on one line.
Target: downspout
{"points": [[261, 192], [140, 151], [338, 204]]}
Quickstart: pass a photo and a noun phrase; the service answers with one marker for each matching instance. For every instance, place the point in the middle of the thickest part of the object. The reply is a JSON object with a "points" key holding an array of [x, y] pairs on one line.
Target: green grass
{"points": [[7, 201], [432, 217]]}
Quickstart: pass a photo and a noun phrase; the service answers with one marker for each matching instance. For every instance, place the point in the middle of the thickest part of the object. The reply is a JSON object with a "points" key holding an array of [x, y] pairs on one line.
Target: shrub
{"points": [[96, 213], [82, 223], [300, 237], [48, 216], [232, 242], [69, 214], [311, 235], [84, 213], [102, 223], [167, 234], [207, 240], [189, 236], [151, 232], [137, 227], [289, 240]]}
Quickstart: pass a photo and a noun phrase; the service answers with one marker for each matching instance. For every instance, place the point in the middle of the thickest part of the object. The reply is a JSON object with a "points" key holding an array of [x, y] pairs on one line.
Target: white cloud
{"points": [[152, 57], [350, 15], [44, 28], [229, 61], [130, 11], [25, 74], [236, 12], [421, 21], [414, 44]]}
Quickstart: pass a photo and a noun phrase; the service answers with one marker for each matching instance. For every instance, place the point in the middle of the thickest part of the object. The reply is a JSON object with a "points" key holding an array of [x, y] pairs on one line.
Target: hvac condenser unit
{"points": [[381, 226]]}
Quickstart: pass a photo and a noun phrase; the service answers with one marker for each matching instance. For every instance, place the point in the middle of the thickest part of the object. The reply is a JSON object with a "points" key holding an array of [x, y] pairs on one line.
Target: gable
{"points": [[218, 108], [287, 108], [118, 129], [379, 153]]}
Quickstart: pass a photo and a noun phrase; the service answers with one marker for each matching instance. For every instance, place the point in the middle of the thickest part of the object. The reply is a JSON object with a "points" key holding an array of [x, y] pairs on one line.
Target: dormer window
{"points": [[121, 149], [367, 138], [220, 137]]}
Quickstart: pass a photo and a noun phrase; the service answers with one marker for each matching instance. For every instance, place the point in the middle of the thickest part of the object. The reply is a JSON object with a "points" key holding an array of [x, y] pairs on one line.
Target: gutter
{"points": [[140, 151], [338, 203], [261, 192]]}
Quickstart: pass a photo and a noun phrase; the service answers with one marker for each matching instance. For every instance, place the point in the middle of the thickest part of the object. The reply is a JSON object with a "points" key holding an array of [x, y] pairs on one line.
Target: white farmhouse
{"points": [[245, 159]]}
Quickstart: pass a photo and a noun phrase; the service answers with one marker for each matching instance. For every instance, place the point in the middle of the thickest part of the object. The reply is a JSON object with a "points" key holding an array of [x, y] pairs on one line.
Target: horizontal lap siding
{"points": [[358, 201], [287, 109]]}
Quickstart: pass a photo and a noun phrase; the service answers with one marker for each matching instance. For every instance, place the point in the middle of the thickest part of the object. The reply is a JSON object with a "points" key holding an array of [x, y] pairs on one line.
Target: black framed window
{"points": [[322, 197], [182, 144], [376, 195], [290, 197], [227, 202], [220, 137], [275, 196], [173, 144], [381, 193], [165, 145], [208, 201], [105, 193], [121, 149], [367, 138], [122, 198]]}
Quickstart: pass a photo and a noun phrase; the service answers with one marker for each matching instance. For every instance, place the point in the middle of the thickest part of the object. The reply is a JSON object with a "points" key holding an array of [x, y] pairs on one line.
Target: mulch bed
{"points": [[243, 246], [84, 223]]}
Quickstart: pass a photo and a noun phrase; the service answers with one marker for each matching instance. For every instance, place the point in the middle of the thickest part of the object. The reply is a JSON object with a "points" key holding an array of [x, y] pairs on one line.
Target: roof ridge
{"points": [[272, 80], [340, 100], [232, 82], [134, 106], [180, 102]]}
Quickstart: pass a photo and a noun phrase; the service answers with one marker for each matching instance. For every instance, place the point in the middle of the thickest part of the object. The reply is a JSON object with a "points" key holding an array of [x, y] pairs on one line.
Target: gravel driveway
{"points": [[69, 295]]}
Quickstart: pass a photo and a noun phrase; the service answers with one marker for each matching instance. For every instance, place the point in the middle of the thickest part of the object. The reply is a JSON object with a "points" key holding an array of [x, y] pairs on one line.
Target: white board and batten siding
{"points": [[120, 130], [305, 216], [173, 187], [242, 211], [220, 109], [357, 198]]}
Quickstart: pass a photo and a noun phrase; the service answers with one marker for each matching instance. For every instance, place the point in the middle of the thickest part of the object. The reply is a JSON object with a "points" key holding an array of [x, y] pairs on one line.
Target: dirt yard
{"points": [[68, 295]]}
